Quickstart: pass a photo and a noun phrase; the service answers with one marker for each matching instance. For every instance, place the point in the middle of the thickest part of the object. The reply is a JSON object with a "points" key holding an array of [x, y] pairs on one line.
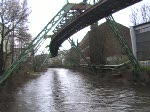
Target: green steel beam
{"points": [[70, 15], [65, 21], [79, 51], [123, 42], [67, 1]]}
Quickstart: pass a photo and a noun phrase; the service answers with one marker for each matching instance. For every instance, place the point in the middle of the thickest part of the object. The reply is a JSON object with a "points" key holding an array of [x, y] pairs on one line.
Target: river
{"points": [[64, 90]]}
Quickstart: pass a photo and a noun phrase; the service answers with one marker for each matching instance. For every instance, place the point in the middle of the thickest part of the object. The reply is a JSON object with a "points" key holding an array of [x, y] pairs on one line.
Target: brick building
{"points": [[84, 47], [100, 45]]}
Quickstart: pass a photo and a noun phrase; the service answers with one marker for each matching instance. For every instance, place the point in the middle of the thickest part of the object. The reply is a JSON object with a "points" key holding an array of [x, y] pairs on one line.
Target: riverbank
{"points": [[20, 76], [14, 82], [124, 76]]}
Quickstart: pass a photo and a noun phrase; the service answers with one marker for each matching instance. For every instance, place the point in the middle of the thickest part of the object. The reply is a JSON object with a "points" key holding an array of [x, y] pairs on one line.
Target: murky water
{"points": [[63, 90]]}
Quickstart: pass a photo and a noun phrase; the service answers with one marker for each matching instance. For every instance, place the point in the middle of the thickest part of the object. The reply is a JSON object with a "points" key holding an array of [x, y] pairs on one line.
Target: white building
{"points": [[140, 37]]}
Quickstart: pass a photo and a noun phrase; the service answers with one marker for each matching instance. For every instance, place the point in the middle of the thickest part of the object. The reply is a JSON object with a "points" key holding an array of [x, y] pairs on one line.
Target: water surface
{"points": [[63, 90]]}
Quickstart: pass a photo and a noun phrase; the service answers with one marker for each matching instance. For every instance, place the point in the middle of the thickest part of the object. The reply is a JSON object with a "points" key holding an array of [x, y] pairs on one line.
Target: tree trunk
{"points": [[1, 57], [1, 49], [12, 58]]}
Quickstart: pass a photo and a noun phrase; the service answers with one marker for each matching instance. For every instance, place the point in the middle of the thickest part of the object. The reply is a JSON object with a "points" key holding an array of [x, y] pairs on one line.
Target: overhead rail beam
{"points": [[92, 14]]}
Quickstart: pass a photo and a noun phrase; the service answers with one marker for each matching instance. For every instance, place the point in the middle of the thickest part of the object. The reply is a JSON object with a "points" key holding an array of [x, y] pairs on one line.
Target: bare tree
{"points": [[140, 14], [21, 39], [13, 17], [145, 13], [72, 58]]}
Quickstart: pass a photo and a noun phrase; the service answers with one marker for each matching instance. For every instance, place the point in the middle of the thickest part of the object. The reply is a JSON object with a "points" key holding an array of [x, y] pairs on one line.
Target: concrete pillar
{"points": [[133, 41]]}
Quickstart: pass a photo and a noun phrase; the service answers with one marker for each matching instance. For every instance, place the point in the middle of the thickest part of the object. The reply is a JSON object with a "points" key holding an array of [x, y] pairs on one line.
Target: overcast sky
{"points": [[44, 10]]}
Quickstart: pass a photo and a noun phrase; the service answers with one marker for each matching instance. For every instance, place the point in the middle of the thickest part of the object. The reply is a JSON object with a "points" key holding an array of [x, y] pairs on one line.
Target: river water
{"points": [[63, 90]]}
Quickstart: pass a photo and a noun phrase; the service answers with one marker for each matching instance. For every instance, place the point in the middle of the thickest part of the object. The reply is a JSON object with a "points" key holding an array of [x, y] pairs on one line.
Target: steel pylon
{"points": [[123, 42]]}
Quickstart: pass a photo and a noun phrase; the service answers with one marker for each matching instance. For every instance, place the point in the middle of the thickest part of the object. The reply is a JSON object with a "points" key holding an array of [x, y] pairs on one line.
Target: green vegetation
{"points": [[146, 68]]}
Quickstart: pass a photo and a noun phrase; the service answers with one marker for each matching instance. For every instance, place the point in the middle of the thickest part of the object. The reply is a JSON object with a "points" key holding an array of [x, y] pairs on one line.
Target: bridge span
{"points": [[80, 20]]}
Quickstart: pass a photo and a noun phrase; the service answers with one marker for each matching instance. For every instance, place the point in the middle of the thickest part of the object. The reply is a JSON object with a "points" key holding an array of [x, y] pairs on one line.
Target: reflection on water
{"points": [[63, 90]]}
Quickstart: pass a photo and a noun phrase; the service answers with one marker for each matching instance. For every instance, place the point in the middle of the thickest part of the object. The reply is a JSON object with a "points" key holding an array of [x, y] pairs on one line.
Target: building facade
{"points": [[84, 47], [140, 36], [101, 46]]}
